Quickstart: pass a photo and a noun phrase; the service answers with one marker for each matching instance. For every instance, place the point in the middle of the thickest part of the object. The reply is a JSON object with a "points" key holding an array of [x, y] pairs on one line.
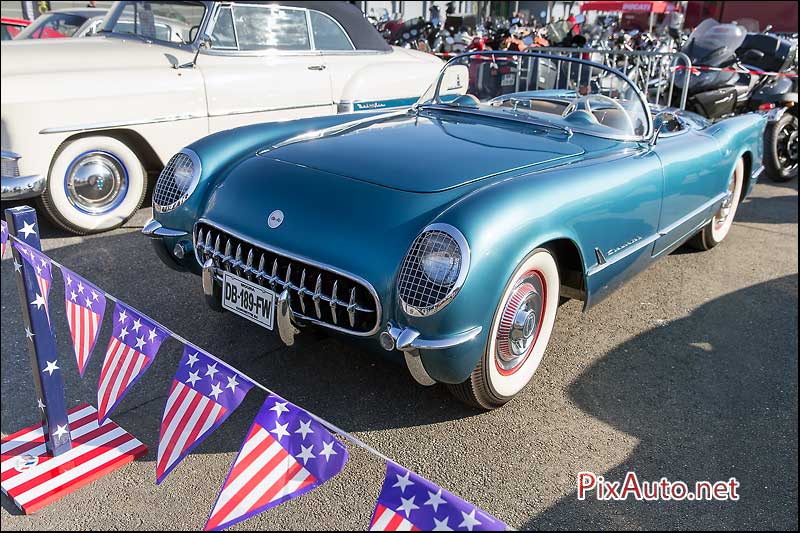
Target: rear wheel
{"points": [[715, 231], [95, 184], [780, 148], [521, 328]]}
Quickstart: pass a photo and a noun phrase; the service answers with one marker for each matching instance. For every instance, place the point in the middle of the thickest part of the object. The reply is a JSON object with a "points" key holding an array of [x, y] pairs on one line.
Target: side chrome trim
{"points": [[318, 264], [669, 229], [118, 124], [408, 339], [653, 238], [22, 187], [155, 230]]}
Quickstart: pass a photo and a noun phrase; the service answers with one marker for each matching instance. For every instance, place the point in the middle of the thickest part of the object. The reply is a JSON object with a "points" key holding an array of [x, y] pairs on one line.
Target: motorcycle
{"points": [[735, 72]]}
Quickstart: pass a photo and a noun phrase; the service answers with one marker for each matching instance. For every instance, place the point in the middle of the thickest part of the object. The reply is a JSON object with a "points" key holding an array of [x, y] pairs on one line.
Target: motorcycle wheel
{"points": [[780, 148]]}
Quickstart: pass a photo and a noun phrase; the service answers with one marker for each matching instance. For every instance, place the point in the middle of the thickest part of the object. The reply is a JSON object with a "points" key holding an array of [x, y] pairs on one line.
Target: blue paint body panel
{"points": [[357, 198]]}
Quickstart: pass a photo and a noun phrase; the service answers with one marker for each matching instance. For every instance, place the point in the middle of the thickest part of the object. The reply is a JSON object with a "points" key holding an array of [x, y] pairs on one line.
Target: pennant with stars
{"points": [[86, 305], [3, 237], [286, 453], [133, 346], [408, 502], [204, 393], [42, 267]]}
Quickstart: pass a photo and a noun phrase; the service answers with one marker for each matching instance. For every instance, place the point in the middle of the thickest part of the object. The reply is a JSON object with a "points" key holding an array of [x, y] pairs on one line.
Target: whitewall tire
{"points": [[95, 184], [720, 225], [521, 328]]}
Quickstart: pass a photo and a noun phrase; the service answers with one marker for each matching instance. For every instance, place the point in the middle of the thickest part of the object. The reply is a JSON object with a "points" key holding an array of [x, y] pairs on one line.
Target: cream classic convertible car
{"points": [[86, 121]]}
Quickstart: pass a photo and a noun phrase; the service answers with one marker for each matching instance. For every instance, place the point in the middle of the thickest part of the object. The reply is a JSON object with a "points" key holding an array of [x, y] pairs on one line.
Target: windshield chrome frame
{"points": [[434, 101], [116, 9]]}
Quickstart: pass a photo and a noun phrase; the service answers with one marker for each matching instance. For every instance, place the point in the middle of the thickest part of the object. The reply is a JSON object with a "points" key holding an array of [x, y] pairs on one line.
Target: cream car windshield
{"points": [[545, 90], [173, 22]]}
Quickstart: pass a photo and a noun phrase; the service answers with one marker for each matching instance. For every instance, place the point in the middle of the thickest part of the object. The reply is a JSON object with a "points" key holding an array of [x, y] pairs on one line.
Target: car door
{"points": [[693, 181], [261, 66]]}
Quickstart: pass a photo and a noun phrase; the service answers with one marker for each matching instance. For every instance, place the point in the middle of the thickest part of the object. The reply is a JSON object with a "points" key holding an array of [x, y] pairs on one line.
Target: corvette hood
{"points": [[429, 152]]}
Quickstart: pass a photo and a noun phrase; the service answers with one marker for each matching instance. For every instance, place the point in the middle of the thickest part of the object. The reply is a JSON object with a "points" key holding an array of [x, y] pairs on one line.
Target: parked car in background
{"points": [[159, 75], [10, 27], [455, 257], [62, 23]]}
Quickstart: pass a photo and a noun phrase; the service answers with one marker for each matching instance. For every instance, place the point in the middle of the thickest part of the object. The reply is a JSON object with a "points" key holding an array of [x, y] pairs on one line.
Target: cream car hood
{"points": [[52, 56]]}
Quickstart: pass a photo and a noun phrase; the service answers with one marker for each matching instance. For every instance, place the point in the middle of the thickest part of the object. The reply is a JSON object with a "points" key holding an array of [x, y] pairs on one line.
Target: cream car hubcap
{"points": [[96, 182]]}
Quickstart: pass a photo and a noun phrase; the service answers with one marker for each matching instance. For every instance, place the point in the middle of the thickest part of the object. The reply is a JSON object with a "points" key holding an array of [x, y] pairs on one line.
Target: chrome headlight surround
{"points": [[169, 194], [419, 295]]}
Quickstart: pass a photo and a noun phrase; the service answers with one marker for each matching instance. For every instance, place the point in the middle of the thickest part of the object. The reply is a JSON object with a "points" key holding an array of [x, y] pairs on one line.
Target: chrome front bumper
{"points": [[14, 186]]}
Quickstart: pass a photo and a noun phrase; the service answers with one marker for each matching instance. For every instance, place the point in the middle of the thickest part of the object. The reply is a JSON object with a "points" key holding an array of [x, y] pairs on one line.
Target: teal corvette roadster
{"points": [[448, 234]]}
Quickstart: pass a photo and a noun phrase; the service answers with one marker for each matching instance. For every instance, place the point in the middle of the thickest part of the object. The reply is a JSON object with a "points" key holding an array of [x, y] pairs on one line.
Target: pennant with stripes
{"points": [[408, 502], [204, 393], [3, 236], [132, 348], [286, 453], [44, 274], [86, 305]]}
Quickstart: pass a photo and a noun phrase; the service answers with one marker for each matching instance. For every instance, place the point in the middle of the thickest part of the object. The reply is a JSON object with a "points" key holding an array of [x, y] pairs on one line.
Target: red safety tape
{"points": [[694, 69]]}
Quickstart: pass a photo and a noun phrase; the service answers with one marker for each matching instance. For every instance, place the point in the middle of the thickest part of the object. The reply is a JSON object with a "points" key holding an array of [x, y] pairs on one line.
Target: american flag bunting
{"points": [[3, 236], [286, 453], [85, 305], [203, 395], [131, 350], [42, 267], [408, 502]]}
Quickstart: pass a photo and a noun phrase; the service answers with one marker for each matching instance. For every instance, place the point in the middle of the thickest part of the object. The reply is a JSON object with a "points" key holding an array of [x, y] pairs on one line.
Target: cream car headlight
{"points": [[177, 181], [433, 270]]}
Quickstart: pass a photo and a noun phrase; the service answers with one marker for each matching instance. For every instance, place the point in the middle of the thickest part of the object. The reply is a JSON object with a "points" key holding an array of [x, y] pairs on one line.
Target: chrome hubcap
{"points": [[787, 146], [96, 182], [520, 323], [727, 204]]}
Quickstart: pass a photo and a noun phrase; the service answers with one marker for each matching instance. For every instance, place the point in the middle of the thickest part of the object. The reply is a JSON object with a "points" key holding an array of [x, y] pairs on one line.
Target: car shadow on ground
{"points": [[702, 409]]}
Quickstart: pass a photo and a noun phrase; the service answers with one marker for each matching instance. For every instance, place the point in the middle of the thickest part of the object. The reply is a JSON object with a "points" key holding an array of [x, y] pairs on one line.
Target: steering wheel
{"points": [[584, 104]]}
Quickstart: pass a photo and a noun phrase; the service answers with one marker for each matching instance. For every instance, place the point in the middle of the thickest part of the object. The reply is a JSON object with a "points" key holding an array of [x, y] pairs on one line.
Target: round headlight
{"points": [[441, 266], [177, 181], [433, 270]]}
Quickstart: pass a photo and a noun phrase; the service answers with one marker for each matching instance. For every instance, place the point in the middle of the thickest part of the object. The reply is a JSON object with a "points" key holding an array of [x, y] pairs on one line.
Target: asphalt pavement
{"points": [[689, 372]]}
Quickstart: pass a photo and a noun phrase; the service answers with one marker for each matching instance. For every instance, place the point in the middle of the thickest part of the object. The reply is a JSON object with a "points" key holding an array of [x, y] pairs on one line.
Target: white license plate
{"points": [[249, 300], [507, 79]]}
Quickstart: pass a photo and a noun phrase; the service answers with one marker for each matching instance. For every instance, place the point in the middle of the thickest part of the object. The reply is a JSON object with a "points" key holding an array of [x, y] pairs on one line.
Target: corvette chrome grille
{"points": [[317, 294]]}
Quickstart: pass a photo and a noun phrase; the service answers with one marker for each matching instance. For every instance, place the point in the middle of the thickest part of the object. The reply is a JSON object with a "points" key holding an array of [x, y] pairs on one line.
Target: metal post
{"points": [[40, 337]]}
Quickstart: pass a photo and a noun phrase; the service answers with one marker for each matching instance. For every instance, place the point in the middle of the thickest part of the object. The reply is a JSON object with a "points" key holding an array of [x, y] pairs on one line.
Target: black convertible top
{"points": [[361, 32]]}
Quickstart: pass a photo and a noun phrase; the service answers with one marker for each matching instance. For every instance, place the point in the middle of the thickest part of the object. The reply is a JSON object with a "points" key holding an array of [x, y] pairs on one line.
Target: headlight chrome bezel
{"points": [[411, 268], [197, 170]]}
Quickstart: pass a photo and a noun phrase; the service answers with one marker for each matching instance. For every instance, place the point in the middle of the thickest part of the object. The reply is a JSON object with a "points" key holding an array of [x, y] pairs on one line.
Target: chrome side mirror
{"points": [[664, 122], [203, 43]]}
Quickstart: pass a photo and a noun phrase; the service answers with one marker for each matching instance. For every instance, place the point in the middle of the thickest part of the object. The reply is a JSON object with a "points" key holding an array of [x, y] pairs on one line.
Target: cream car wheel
{"points": [[521, 328], [95, 184]]}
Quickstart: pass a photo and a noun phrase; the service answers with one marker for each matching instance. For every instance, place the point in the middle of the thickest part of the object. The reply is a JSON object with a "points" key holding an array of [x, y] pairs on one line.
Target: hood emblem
{"points": [[275, 219]]}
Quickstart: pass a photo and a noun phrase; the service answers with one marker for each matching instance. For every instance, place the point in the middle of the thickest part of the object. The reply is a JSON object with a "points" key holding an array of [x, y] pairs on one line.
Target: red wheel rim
{"points": [[532, 283]]}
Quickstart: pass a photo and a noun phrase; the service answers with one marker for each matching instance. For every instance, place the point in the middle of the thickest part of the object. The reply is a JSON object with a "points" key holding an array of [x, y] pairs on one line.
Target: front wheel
{"points": [[521, 328], [95, 184], [780, 148]]}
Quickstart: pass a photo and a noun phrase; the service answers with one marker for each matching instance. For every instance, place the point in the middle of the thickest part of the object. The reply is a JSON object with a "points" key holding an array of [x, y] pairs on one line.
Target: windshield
{"points": [[53, 25], [713, 42], [174, 22], [560, 92]]}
